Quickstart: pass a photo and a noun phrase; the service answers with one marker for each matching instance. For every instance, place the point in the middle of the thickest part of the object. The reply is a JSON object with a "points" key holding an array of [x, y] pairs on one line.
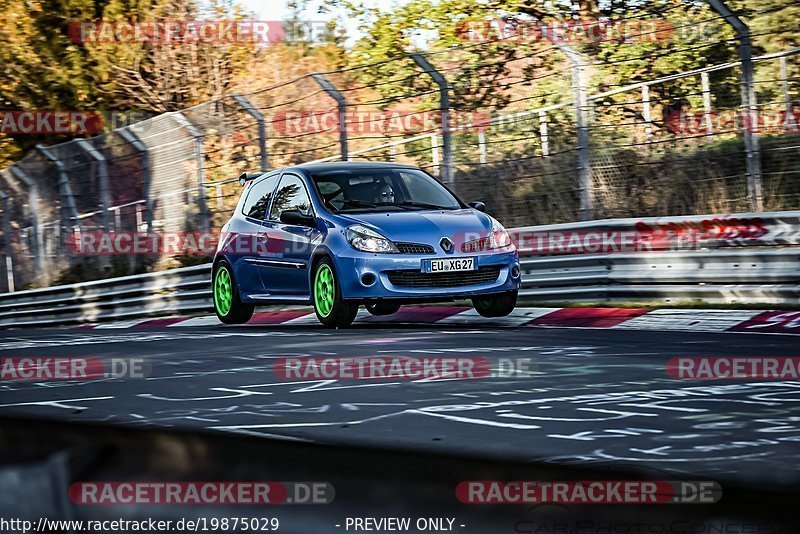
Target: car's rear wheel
{"points": [[229, 308], [332, 310], [382, 308], [496, 305]]}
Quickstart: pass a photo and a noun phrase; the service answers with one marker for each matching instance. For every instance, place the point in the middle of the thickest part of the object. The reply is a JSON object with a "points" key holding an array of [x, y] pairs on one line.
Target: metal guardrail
{"points": [[177, 291], [753, 276], [747, 258]]}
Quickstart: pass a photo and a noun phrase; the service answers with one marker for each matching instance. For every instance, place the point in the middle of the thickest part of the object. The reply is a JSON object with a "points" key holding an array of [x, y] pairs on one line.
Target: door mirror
{"points": [[297, 218], [480, 206]]}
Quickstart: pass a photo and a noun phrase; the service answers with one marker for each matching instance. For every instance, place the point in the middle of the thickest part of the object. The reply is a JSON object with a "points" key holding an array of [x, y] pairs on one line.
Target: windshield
{"points": [[355, 190]]}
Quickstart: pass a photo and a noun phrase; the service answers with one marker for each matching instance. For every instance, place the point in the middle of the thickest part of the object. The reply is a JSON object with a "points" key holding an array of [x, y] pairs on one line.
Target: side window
{"points": [[291, 195], [258, 197]]}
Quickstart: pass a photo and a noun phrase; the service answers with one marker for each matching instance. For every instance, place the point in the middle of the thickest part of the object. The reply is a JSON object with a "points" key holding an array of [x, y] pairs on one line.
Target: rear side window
{"points": [[258, 197]]}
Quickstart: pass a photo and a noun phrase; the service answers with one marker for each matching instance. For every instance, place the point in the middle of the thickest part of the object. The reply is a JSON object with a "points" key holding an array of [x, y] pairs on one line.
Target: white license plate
{"points": [[448, 265]]}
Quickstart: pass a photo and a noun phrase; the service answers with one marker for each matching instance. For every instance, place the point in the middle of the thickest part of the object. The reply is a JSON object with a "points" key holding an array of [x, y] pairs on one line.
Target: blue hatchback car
{"points": [[339, 235]]}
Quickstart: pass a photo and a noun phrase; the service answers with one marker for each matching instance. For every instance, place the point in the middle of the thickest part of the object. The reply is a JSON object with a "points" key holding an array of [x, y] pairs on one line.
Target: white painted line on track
{"points": [[121, 324], [689, 320], [518, 317], [210, 320], [307, 319]]}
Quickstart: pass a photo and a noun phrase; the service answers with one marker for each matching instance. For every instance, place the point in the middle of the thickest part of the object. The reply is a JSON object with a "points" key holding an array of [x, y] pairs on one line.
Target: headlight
{"points": [[498, 238], [366, 240]]}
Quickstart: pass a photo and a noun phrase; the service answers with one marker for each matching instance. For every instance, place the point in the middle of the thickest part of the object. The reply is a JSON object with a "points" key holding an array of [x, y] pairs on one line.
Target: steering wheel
{"points": [[328, 197]]}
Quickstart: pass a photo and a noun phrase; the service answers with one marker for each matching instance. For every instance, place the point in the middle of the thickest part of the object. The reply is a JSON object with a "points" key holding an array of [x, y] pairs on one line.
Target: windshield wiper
{"points": [[408, 204], [424, 205], [356, 204], [359, 203]]}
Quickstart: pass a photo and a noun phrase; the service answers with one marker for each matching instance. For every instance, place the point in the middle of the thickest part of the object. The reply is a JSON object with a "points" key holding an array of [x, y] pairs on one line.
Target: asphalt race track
{"points": [[596, 396]]}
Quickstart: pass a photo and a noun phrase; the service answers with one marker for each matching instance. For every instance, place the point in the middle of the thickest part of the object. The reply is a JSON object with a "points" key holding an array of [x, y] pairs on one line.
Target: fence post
{"points": [[749, 103], [69, 212], [262, 128], [435, 153], [543, 133], [36, 223], [581, 99], [482, 146], [706, 87], [647, 114], [199, 154], [102, 172], [132, 139], [6, 226], [341, 105], [448, 168], [789, 124]]}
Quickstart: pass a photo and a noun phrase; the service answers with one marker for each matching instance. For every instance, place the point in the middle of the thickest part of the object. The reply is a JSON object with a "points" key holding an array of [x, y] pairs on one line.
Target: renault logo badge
{"points": [[446, 244]]}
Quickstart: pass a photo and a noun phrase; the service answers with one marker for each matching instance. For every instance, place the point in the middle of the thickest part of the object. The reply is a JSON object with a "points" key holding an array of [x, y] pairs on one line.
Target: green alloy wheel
{"points": [[324, 290], [332, 310], [229, 308], [223, 293]]}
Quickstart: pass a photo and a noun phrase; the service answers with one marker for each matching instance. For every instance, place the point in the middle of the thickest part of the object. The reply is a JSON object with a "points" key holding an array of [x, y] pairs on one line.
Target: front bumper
{"points": [[356, 270]]}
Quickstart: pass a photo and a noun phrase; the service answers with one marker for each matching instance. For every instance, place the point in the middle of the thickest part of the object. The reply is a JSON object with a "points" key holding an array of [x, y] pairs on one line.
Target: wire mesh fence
{"points": [[542, 127]]}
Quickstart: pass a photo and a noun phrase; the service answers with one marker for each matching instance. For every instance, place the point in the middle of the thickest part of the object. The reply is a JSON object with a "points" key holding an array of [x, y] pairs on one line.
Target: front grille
{"points": [[483, 275], [414, 248]]}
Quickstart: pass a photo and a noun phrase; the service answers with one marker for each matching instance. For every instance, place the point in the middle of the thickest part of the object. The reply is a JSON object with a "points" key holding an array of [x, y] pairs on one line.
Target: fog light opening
{"points": [[515, 271], [368, 279]]}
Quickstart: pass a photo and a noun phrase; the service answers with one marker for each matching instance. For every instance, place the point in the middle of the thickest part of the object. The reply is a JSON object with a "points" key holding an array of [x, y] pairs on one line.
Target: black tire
{"points": [[239, 312], [342, 313], [382, 308], [496, 305]]}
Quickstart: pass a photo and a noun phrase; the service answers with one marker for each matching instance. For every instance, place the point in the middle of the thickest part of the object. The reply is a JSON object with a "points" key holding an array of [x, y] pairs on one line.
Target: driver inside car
{"points": [[384, 194]]}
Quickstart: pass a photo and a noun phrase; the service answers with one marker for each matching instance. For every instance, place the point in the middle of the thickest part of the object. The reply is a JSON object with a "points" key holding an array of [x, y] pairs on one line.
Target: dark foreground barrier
{"points": [[42, 459]]}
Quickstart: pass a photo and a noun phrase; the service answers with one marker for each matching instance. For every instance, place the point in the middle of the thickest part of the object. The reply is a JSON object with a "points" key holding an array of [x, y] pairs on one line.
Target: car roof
{"points": [[349, 165]]}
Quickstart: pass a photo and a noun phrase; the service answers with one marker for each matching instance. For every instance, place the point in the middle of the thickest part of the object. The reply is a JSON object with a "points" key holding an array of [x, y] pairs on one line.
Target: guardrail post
{"points": [[341, 105], [36, 223], [199, 154], [448, 168], [102, 172], [69, 212], [581, 99], [749, 103], [132, 139], [262, 127], [6, 226]]}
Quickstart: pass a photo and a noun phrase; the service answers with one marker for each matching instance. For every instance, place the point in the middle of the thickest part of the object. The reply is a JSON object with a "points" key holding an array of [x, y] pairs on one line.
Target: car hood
{"points": [[427, 226]]}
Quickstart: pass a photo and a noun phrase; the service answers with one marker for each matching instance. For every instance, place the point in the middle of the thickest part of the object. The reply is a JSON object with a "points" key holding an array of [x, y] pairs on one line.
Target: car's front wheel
{"points": [[332, 310], [382, 308], [496, 305], [229, 308]]}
